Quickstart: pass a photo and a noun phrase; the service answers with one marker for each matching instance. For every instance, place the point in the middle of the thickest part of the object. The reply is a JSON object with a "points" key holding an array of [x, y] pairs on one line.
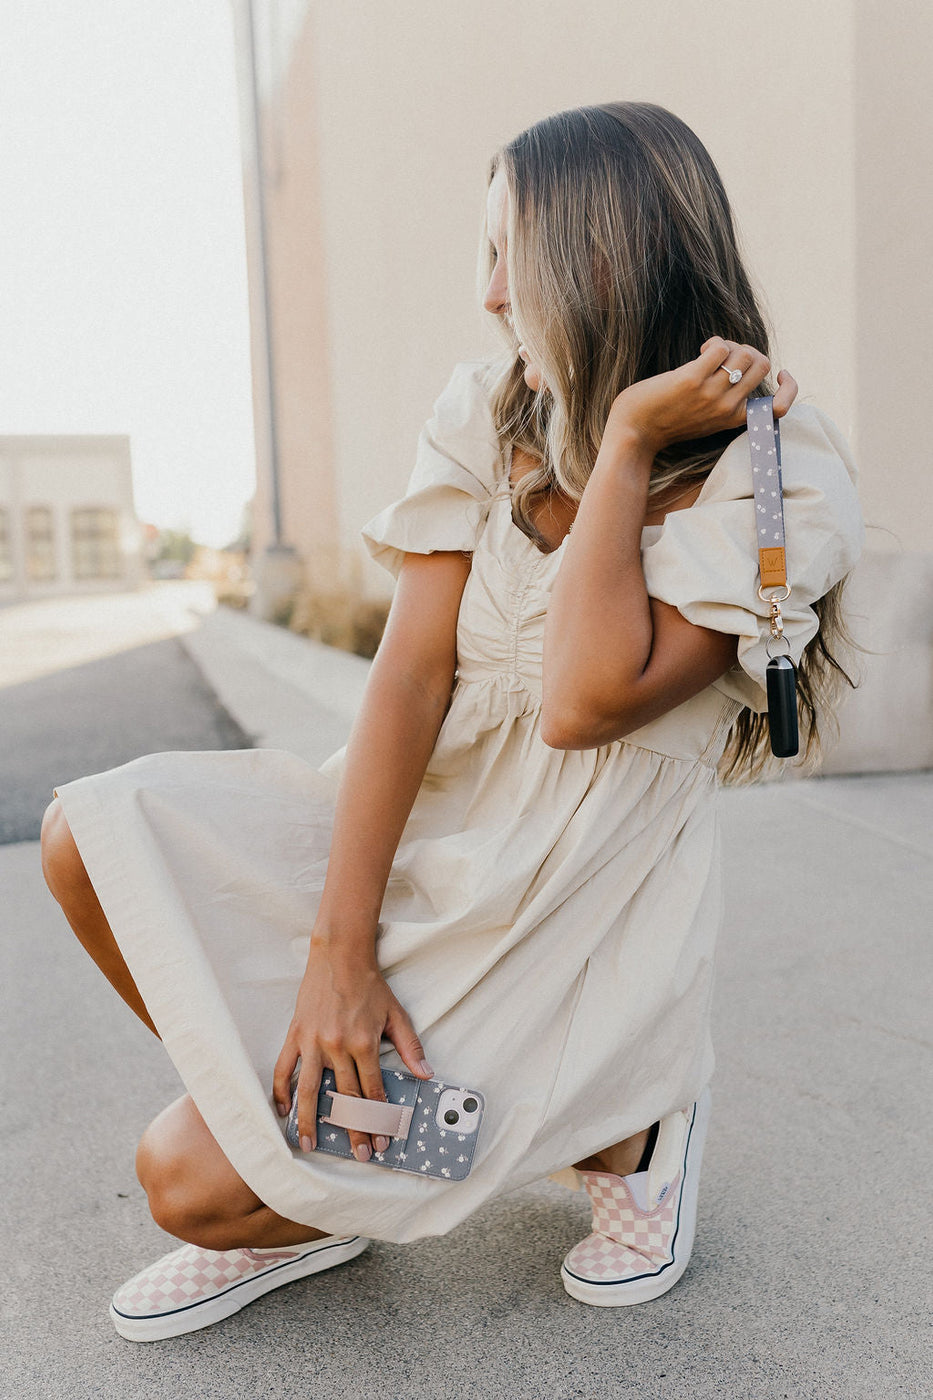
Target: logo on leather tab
{"points": [[771, 566]]}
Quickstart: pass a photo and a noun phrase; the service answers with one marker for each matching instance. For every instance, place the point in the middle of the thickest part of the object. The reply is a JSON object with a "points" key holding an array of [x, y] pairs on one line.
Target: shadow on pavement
{"points": [[87, 718]]}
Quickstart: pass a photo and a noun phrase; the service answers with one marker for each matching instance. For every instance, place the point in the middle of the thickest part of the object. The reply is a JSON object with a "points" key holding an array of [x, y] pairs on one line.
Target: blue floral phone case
{"points": [[437, 1128]]}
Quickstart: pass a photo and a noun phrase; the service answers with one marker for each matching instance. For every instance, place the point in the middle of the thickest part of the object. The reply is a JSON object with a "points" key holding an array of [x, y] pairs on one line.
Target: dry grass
{"points": [[339, 619]]}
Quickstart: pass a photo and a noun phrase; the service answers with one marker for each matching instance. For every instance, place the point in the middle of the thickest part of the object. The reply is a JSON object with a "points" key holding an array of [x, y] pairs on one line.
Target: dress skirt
{"points": [[544, 958]]}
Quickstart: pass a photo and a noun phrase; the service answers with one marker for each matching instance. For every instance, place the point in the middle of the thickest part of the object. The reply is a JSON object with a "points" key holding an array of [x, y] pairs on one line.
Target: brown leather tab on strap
{"points": [[772, 565], [369, 1116]]}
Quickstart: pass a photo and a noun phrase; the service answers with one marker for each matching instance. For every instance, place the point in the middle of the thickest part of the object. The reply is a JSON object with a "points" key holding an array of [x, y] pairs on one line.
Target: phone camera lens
{"points": [[470, 1105], [451, 1116]]}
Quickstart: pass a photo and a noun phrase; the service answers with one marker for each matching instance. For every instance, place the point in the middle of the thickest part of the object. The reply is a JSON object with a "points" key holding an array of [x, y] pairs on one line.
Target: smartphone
{"points": [[438, 1137]]}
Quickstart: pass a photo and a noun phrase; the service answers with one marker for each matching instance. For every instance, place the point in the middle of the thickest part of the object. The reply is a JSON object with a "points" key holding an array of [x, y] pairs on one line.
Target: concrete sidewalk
{"points": [[809, 1276]]}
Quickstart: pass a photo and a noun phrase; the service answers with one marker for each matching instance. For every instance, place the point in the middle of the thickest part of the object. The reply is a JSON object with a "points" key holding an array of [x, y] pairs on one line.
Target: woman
{"points": [[512, 870]]}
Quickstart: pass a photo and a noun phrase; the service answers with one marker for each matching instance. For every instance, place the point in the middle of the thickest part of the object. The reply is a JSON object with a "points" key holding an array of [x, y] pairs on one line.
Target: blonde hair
{"points": [[623, 260]]}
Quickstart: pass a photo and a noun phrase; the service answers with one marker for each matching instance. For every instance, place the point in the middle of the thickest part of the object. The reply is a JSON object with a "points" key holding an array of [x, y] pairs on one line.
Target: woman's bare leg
{"points": [[196, 1194], [193, 1190], [621, 1159], [69, 882]]}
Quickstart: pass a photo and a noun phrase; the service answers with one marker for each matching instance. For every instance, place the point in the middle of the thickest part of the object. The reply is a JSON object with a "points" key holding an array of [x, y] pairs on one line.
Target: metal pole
{"points": [[264, 273]]}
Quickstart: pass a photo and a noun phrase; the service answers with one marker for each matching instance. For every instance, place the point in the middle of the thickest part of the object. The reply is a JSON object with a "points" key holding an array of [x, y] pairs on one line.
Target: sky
{"points": [[123, 300]]}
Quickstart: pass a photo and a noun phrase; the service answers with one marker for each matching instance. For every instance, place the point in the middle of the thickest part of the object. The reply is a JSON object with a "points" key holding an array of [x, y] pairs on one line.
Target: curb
{"points": [[284, 690]]}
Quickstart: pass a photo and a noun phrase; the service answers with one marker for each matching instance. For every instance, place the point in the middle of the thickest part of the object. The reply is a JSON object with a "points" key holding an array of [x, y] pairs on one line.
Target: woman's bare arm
{"points": [[406, 697], [614, 658], [344, 1005]]}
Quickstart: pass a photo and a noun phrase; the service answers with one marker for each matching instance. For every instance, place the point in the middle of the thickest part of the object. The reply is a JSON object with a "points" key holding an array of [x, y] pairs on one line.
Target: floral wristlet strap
{"points": [[764, 438]]}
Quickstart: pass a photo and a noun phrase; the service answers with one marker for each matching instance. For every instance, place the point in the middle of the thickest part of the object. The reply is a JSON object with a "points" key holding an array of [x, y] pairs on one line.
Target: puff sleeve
{"points": [[458, 463], [704, 560]]}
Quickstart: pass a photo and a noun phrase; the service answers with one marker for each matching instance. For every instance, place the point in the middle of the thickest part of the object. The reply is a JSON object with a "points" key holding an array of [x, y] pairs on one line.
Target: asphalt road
{"points": [[97, 711]]}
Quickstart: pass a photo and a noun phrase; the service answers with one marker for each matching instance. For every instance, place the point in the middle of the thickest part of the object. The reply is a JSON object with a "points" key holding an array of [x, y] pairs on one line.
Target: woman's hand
{"points": [[344, 1008], [697, 399]]}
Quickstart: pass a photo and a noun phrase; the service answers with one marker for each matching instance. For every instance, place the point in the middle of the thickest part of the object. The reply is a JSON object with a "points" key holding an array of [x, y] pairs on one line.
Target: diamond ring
{"points": [[734, 374]]}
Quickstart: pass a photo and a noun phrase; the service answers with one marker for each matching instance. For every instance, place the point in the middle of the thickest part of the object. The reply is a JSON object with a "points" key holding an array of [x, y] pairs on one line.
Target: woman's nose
{"points": [[496, 299]]}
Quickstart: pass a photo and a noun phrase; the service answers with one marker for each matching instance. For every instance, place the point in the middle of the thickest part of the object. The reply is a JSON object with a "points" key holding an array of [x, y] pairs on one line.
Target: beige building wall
{"points": [[67, 518], [893, 124], [889, 722], [378, 123]]}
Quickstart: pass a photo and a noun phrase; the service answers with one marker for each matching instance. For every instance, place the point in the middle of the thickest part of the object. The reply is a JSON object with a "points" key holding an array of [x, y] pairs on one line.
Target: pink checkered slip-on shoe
{"points": [[643, 1224], [193, 1287]]}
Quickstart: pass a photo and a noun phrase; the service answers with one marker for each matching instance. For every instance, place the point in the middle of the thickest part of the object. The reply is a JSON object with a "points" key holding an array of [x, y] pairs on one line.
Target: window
{"points": [[95, 543], [6, 553], [40, 544]]}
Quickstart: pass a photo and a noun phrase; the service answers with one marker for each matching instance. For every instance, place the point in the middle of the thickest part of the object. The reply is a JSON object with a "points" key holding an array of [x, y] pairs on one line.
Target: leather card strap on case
{"points": [[369, 1116], [402, 1099]]}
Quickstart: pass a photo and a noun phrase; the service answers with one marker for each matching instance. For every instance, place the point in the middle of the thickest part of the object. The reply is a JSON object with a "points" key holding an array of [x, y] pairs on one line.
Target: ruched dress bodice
{"points": [[500, 637]]}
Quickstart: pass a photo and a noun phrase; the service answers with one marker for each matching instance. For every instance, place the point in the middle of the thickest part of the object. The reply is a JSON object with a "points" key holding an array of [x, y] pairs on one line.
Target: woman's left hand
{"points": [[698, 399]]}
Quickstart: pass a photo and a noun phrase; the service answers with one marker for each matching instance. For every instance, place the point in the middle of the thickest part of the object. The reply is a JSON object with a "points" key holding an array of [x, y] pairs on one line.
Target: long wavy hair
{"points": [[623, 260]]}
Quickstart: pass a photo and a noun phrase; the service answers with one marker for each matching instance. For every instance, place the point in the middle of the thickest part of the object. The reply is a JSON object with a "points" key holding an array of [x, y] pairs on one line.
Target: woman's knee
{"points": [[62, 865], [170, 1183], [191, 1187]]}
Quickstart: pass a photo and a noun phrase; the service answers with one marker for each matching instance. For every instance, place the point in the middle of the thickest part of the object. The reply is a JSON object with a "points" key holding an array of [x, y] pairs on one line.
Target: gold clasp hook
{"points": [[776, 622]]}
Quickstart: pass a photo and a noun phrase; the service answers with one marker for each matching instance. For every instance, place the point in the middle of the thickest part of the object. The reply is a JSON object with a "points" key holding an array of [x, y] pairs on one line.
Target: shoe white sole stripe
{"points": [[190, 1317], [642, 1288]]}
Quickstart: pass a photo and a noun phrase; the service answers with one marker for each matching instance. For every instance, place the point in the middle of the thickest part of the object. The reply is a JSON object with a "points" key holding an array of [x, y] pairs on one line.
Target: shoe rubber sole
{"points": [[320, 1255], [645, 1287]]}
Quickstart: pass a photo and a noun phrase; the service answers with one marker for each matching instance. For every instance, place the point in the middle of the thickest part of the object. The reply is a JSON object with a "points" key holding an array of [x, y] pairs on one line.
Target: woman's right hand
{"points": [[697, 399], [343, 1010]]}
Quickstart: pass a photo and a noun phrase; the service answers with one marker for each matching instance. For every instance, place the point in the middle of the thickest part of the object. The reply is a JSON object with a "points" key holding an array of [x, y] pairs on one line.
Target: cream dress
{"points": [[551, 917]]}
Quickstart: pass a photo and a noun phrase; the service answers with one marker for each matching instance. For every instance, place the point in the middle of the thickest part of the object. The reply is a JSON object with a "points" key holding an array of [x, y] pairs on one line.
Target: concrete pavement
{"points": [[809, 1276]]}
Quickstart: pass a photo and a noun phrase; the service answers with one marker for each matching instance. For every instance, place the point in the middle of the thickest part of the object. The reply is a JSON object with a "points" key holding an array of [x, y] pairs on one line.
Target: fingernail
{"points": [[363, 1153], [425, 1068], [306, 1144], [382, 1144], [282, 1110]]}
